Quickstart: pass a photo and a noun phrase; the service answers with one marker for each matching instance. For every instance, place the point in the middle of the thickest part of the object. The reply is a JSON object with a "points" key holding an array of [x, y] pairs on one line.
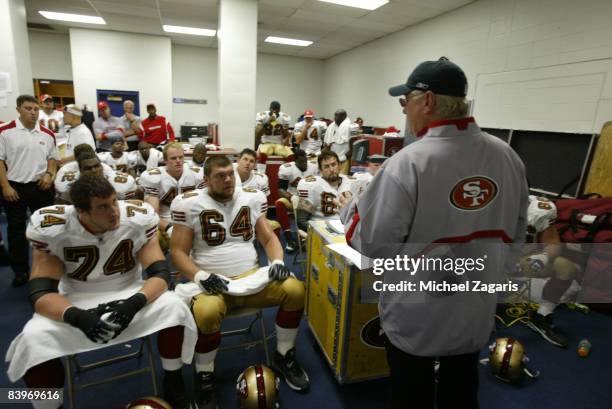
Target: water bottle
{"points": [[584, 347]]}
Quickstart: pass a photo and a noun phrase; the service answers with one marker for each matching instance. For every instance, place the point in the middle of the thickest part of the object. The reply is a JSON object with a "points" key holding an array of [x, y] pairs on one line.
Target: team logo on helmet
{"points": [[473, 193], [372, 334]]}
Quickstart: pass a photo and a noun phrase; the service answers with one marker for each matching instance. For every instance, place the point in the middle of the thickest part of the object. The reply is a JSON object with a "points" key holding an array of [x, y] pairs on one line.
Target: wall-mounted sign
{"points": [[189, 101]]}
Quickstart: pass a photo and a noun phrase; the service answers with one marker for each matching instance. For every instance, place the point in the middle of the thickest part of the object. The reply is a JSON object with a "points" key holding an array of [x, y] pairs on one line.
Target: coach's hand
{"points": [[211, 283], [277, 271], [92, 326]]}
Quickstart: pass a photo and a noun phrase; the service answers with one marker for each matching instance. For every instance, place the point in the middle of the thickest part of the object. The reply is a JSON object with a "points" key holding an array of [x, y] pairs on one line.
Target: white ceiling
{"points": [[332, 28]]}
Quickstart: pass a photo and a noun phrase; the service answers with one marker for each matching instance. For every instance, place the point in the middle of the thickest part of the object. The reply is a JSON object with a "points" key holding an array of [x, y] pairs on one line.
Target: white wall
{"points": [[50, 55], [296, 82], [122, 61], [544, 65]]}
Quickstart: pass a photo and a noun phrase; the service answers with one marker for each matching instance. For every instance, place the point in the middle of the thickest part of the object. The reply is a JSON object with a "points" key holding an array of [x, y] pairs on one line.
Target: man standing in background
{"points": [[77, 134], [28, 164], [107, 128], [273, 129], [131, 125], [337, 137], [53, 120], [155, 127]]}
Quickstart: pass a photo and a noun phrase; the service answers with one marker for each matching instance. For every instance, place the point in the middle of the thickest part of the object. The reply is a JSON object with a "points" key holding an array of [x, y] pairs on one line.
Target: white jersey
{"points": [[223, 233], [321, 194], [292, 174], [98, 269], [360, 182], [257, 181], [541, 214], [94, 263], [158, 182], [155, 158], [53, 121], [314, 137], [274, 133], [124, 184], [124, 163]]}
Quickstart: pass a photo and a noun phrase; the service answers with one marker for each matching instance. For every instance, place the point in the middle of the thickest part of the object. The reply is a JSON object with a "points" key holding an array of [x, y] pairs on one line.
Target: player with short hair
{"points": [[146, 157], [87, 290], [247, 177], [213, 246], [289, 176], [118, 158], [89, 164], [320, 195], [161, 185]]}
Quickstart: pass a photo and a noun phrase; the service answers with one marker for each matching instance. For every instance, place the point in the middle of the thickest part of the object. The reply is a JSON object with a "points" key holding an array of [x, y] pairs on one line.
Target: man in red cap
{"points": [[48, 116], [107, 128], [156, 128], [309, 133]]}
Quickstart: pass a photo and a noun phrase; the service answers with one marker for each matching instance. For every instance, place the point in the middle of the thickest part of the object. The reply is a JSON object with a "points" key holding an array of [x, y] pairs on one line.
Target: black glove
{"points": [[211, 283], [123, 311], [92, 325], [278, 272]]}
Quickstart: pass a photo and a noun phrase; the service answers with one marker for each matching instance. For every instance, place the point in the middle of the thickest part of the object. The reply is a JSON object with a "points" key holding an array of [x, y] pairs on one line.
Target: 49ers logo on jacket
{"points": [[473, 193]]}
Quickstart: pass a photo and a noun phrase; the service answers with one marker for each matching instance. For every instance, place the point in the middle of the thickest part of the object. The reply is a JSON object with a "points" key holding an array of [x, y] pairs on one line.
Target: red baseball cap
{"points": [[102, 105], [309, 113], [45, 97]]}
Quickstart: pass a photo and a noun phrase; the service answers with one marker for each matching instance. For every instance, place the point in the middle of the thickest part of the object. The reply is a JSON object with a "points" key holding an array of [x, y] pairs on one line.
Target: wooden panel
{"points": [[600, 173]]}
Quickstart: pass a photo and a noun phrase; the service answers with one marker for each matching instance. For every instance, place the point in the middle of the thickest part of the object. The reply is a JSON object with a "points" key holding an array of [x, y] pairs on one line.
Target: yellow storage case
{"points": [[347, 331]]}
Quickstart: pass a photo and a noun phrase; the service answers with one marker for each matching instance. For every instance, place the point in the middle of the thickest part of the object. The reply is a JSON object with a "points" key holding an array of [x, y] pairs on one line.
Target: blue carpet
{"points": [[566, 380]]}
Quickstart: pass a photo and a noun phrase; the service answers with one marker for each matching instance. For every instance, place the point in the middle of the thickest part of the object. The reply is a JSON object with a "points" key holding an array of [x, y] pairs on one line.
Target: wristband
{"points": [[201, 276], [281, 262]]}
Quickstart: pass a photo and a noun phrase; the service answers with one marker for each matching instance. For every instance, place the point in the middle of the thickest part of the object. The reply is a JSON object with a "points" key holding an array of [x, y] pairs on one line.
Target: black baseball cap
{"points": [[440, 77]]}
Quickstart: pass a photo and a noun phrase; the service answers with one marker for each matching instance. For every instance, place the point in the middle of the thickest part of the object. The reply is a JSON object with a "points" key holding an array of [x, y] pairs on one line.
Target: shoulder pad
{"points": [[349, 177], [139, 212], [195, 169], [154, 171], [47, 223], [188, 195], [249, 190], [310, 178], [287, 165], [258, 173]]}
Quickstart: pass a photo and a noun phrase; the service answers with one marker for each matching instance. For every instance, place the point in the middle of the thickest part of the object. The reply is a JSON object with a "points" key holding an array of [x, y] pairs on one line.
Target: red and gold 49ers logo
{"points": [[473, 193]]}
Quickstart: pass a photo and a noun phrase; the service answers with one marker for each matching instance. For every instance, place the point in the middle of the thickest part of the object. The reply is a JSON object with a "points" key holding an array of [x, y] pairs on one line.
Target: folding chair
{"points": [[74, 368], [301, 234], [257, 314]]}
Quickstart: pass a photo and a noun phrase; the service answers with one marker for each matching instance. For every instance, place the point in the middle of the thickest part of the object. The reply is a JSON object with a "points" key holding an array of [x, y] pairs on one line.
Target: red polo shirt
{"points": [[156, 130]]}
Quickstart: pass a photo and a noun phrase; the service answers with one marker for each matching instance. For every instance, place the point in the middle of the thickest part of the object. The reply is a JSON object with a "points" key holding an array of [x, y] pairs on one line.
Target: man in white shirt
{"points": [[309, 134], [131, 125], [337, 137], [28, 162], [77, 134]]}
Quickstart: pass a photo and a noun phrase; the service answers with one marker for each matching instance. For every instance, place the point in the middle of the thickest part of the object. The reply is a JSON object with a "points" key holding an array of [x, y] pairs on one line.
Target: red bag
{"points": [[589, 222]]}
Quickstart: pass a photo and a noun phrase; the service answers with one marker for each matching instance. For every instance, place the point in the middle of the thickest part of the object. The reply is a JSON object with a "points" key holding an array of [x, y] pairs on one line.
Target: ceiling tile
{"points": [[335, 9]]}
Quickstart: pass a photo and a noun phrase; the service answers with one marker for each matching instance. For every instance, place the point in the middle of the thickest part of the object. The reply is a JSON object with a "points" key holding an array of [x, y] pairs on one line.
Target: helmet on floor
{"points": [[257, 388]]}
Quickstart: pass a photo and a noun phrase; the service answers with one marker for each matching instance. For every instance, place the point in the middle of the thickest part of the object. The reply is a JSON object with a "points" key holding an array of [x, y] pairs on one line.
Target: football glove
{"points": [[123, 311], [211, 283], [94, 328], [277, 271]]}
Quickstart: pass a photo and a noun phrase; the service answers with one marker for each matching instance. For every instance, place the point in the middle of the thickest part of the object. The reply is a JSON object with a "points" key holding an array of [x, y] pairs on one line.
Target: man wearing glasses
{"points": [[455, 184]]}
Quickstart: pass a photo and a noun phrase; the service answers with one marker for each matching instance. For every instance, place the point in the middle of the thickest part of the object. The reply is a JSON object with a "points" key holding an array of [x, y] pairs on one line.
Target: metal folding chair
{"points": [[257, 314]]}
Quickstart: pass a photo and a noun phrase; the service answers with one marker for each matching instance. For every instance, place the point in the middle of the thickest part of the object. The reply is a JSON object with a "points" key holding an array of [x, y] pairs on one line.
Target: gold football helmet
{"points": [[508, 360], [257, 388], [149, 402]]}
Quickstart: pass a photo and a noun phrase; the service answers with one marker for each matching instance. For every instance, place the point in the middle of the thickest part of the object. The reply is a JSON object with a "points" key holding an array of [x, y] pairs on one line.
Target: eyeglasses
{"points": [[404, 101]]}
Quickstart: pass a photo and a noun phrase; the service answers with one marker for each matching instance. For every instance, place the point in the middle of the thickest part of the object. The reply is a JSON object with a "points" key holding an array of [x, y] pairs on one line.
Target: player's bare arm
{"points": [[181, 243], [47, 270], [268, 239]]}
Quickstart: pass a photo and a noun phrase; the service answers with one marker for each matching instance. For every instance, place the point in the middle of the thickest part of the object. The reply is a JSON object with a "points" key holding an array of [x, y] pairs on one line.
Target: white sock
{"points": [[546, 308], [171, 364], [261, 168], [206, 362], [46, 404], [285, 339]]}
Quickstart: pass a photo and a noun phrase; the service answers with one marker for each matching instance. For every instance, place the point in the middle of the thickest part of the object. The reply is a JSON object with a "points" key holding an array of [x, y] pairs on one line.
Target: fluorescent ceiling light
{"points": [[190, 30], [360, 4], [76, 18], [287, 41]]}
